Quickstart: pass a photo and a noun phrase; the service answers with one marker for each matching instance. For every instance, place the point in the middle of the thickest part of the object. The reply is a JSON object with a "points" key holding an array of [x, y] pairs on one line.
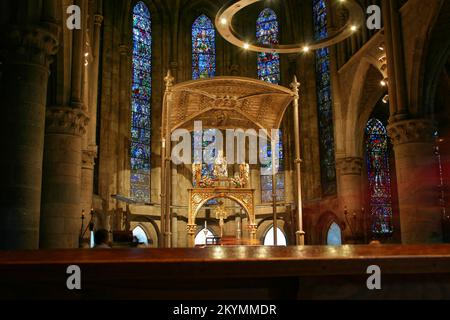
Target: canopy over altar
{"points": [[224, 103]]}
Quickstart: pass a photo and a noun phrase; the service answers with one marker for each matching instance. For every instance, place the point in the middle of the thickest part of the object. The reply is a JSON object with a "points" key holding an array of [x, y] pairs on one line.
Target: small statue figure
{"points": [[237, 180], [221, 166], [244, 174], [197, 174]]}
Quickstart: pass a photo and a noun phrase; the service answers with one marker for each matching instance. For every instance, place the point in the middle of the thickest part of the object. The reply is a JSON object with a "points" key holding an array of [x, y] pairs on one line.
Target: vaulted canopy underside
{"points": [[228, 103]]}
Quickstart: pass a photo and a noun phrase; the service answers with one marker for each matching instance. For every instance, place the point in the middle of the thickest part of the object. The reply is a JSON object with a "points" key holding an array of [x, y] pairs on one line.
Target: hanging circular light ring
{"points": [[224, 26]]}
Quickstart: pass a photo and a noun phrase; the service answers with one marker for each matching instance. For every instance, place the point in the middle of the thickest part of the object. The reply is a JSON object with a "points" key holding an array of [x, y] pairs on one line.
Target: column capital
{"points": [[30, 44], [98, 19], [351, 166], [65, 120], [412, 131], [253, 228], [88, 157], [124, 50], [192, 229]]}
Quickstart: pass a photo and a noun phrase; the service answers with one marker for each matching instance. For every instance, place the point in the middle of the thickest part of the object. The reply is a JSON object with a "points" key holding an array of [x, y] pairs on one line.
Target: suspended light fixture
{"points": [[225, 28]]}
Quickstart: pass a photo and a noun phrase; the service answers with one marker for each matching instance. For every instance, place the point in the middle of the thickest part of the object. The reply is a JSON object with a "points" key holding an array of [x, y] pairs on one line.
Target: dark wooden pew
{"points": [[408, 272]]}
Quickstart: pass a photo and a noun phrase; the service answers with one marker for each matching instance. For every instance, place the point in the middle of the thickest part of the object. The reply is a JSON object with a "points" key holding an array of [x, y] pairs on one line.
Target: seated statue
{"points": [[221, 166]]}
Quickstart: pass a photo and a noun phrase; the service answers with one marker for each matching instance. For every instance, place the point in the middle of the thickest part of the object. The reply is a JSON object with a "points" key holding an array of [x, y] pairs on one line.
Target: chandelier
{"points": [[224, 26]]}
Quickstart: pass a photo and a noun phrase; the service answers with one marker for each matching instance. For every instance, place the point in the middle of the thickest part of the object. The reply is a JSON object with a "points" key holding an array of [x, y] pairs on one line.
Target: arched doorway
{"points": [[199, 197], [218, 212], [269, 238], [140, 235], [202, 236], [334, 235]]}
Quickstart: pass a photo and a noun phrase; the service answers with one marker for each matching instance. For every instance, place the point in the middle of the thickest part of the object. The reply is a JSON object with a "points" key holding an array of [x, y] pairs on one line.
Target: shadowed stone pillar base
{"points": [[416, 166], [61, 200], [25, 56], [350, 182]]}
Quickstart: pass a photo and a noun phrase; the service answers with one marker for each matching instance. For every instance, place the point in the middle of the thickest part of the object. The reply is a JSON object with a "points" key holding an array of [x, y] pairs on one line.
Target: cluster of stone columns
{"points": [[417, 181], [413, 139], [26, 56], [49, 161], [61, 209]]}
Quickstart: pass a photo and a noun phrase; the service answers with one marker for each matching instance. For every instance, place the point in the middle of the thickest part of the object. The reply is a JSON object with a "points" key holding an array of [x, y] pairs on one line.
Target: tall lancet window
{"points": [[203, 48], [324, 101], [267, 33], [141, 104], [267, 177], [379, 175]]}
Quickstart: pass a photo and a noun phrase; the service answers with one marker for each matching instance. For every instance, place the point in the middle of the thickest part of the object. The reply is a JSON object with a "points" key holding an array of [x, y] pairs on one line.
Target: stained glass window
{"points": [[324, 101], [203, 48], [267, 178], [379, 176], [201, 145], [267, 33], [334, 235], [141, 104]]}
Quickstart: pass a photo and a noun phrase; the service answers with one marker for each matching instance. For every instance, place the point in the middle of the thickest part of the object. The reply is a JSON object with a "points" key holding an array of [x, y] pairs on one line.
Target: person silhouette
{"points": [[101, 239]]}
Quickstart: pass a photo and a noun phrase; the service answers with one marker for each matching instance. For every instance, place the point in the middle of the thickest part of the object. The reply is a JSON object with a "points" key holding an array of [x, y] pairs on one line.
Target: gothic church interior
{"points": [[98, 94]]}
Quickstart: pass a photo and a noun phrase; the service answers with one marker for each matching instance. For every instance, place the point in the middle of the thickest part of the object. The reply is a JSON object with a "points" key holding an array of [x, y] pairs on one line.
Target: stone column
{"points": [[25, 58], [416, 168], [91, 149], [350, 183], [61, 207], [87, 177], [350, 187], [174, 231], [123, 143]]}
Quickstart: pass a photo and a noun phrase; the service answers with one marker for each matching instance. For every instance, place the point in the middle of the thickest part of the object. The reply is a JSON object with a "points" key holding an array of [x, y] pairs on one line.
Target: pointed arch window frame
{"points": [[324, 101], [268, 33], [141, 104], [334, 232], [379, 178], [204, 54]]}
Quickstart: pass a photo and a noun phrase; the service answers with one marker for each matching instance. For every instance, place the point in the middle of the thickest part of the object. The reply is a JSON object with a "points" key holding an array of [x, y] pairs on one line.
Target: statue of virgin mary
{"points": [[221, 166]]}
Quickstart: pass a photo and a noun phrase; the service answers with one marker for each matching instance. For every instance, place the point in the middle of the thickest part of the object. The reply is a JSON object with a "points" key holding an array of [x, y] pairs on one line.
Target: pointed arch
{"points": [[203, 236], [141, 235], [269, 237], [267, 33], [334, 235], [140, 150], [203, 48]]}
